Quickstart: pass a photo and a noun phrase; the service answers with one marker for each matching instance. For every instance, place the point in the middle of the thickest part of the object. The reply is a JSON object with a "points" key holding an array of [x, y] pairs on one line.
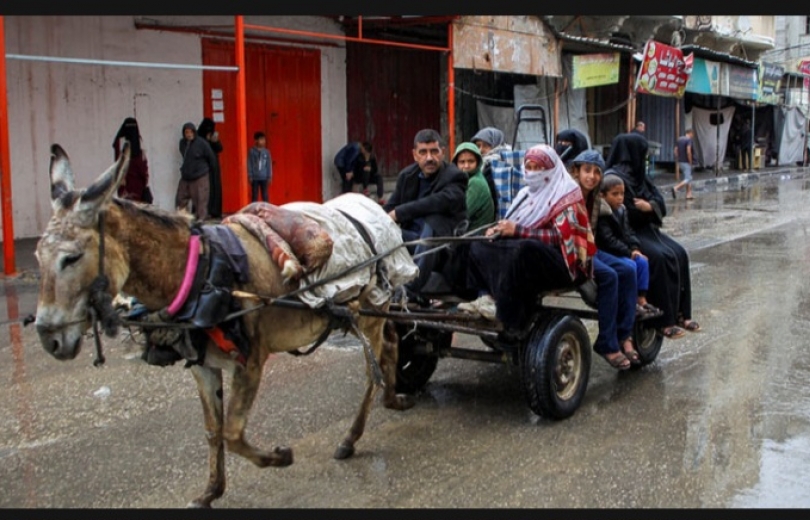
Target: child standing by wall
{"points": [[260, 167], [614, 235]]}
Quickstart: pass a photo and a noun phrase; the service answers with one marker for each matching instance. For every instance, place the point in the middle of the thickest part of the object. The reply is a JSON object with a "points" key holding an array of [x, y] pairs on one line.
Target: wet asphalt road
{"points": [[720, 419]]}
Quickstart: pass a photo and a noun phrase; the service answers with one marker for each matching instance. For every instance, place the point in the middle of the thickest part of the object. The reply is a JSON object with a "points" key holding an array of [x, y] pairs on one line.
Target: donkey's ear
{"points": [[103, 189], [61, 174]]}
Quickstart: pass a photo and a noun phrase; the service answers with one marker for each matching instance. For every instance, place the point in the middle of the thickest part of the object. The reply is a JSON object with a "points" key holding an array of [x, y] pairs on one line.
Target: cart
{"points": [[553, 360]]}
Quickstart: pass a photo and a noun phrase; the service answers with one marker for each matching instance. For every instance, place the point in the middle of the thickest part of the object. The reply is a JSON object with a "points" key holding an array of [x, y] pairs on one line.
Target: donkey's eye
{"points": [[71, 259]]}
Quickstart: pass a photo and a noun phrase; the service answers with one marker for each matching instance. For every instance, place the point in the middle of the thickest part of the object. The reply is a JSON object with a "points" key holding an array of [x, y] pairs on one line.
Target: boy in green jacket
{"points": [[480, 208]]}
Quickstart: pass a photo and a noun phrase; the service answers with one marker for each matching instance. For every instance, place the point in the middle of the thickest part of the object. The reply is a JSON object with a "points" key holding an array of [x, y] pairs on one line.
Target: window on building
{"points": [[807, 25]]}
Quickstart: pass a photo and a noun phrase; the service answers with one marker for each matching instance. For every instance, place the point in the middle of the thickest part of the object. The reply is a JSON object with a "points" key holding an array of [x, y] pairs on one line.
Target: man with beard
{"points": [[429, 200]]}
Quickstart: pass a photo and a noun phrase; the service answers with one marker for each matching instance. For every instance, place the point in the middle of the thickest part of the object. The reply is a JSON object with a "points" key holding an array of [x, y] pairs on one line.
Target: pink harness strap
{"points": [[191, 269]]}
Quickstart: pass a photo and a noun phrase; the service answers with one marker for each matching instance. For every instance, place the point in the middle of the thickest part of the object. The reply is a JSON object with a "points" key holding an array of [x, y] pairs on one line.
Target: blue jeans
{"points": [[642, 273], [615, 300]]}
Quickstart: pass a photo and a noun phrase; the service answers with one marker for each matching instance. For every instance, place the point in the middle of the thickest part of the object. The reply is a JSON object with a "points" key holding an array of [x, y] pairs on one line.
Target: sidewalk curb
{"points": [[739, 179]]}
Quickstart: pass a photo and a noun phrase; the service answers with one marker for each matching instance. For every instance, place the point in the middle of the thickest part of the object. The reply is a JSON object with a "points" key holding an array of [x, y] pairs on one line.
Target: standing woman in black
{"points": [[207, 130], [670, 280]]}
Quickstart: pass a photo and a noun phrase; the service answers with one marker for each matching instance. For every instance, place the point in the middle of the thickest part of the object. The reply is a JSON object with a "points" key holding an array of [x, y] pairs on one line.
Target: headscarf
{"points": [[129, 131], [207, 126], [556, 189], [578, 140], [490, 135], [558, 201], [628, 159]]}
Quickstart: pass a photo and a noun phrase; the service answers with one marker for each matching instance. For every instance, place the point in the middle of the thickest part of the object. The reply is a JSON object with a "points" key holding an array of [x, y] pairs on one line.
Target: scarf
{"points": [[534, 206], [557, 201]]}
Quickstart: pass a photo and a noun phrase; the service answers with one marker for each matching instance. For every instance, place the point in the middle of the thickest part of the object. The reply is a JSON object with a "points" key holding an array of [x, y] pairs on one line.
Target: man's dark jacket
{"points": [[443, 207], [198, 157]]}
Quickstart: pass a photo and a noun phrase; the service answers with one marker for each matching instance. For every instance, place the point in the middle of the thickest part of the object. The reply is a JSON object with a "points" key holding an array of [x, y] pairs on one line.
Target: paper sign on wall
{"points": [[219, 117], [216, 93], [218, 104]]}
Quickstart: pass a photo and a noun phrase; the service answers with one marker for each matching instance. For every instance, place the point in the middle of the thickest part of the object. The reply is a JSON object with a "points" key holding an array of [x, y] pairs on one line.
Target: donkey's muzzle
{"points": [[59, 343]]}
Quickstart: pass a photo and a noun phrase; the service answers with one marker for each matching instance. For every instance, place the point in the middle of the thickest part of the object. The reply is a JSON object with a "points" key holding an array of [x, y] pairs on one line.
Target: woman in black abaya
{"points": [[670, 281], [207, 130]]}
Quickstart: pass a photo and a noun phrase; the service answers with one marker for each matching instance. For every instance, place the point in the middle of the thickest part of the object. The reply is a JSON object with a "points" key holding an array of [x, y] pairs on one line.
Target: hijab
{"points": [[129, 131], [490, 135], [207, 126], [578, 140], [628, 160], [547, 192]]}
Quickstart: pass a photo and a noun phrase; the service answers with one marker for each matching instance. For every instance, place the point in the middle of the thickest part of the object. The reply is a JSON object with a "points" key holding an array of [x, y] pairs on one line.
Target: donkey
{"points": [[142, 250]]}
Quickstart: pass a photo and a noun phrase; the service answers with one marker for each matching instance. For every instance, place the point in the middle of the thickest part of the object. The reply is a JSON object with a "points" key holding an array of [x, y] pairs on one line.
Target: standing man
{"points": [[198, 162], [683, 154], [746, 147], [429, 200], [640, 128]]}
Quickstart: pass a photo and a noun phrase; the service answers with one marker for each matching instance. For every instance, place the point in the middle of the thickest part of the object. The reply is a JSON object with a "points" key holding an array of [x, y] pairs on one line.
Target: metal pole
{"points": [[241, 112], [717, 143], [451, 97], [85, 61], [677, 136], [753, 137], [632, 104], [9, 266]]}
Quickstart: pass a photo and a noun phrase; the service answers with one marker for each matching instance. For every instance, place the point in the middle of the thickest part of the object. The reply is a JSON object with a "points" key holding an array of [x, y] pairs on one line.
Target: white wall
{"points": [[81, 106]]}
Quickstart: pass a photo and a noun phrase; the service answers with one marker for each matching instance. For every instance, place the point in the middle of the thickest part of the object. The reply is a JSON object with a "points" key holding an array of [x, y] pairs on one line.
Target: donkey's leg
{"points": [[244, 387], [372, 329], [209, 386], [388, 364]]}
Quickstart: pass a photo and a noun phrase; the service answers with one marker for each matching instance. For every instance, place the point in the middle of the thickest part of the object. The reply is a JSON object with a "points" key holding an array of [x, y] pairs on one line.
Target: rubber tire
{"points": [[560, 334], [648, 343], [415, 370]]}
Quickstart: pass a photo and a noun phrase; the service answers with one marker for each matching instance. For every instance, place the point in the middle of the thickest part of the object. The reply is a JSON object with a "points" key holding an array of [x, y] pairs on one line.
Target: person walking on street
{"points": [[198, 162], [683, 155], [260, 167]]}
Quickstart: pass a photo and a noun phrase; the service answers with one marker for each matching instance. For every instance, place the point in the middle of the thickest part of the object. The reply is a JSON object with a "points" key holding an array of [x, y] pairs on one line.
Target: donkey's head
{"points": [[68, 254]]}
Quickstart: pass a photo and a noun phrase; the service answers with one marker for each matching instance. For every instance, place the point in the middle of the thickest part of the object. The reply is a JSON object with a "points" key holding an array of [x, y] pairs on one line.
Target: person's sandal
{"points": [[619, 362], [645, 312], [631, 353], [673, 332], [690, 325]]}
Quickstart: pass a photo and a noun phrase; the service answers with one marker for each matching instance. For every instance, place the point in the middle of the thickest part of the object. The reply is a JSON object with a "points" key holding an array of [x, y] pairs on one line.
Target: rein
{"points": [[101, 308]]}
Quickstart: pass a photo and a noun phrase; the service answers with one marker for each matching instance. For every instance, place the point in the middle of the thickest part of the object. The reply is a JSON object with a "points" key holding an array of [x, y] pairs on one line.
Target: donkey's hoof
{"points": [[344, 451], [403, 402], [281, 456], [198, 504]]}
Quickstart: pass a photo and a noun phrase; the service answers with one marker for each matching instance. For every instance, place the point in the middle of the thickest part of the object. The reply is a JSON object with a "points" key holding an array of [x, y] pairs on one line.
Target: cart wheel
{"points": [[648, 343], [556, 366], [414, 365]]}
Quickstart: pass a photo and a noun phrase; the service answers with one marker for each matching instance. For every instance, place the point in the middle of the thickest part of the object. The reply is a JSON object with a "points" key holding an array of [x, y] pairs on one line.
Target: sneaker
{"points": [[468, 308], [485, 306]]}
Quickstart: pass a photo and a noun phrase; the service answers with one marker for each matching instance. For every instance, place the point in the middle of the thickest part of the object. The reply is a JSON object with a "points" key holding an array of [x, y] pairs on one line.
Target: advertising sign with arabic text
{"points": [[591, 70], [769, 81], [664, 70]]}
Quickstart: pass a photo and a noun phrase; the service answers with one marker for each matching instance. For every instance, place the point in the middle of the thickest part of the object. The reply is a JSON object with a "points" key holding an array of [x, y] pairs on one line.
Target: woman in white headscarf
{"points": [[545, 243]]}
